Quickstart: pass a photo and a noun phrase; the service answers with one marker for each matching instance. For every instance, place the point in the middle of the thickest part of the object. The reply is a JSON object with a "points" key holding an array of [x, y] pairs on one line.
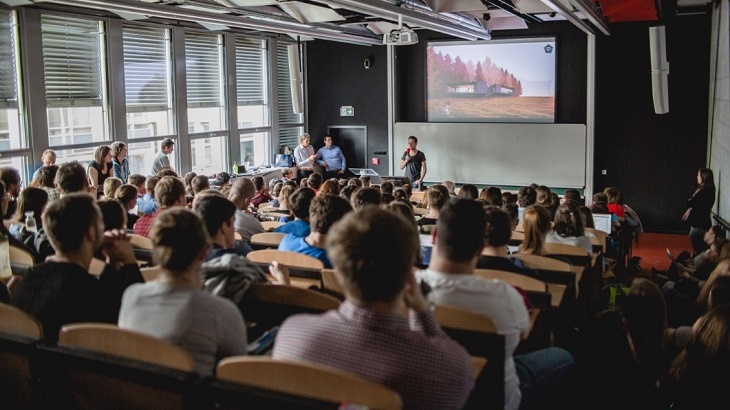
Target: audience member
{"points": [[188, 183], [403, 208], [400, 193], [167, 173], [374, 251], [451, 187], [569, 228], [111, 185], [572, 195], [497, 233], [262, 192], [169, 193], [61, 291], [11, 178], [492, 196], [314, 182], [100, 169], [386, 187], [199, 183], [299, 203], [468, 191], [536, 225], [138, 181], [71, 178], [385, 199], [365, 179], [347, 192], [324, 211], [363, 197], [127, 196], [48, 158], [587, 215], [526, 196], [459, 241], [174, 307], [45, 179], [242, 191], [330, 187], [437, 197], [4, 230], [30, 200], [113, 215], [356, 182], [120, 165], [613, 197], [544, 197], [514, 214], [147, 205]]}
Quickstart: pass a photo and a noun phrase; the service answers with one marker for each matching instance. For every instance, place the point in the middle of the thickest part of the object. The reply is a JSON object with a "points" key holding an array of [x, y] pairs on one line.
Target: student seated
{"points": [[262, 192], [324, 211], [169, 193], [62, 291], [241, 193], [497, 234], [299, 201], [364, 197], [174, 307], [450, 274], [569, 228], [373, 251], [437, 196], [536, 224]]}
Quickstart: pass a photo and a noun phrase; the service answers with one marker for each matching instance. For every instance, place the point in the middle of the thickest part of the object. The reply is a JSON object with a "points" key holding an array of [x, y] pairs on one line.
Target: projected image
{"points": [[492, 81]]}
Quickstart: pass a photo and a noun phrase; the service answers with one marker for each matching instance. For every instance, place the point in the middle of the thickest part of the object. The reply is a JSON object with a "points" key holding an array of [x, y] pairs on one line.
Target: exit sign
{"points": [[347, 111]]}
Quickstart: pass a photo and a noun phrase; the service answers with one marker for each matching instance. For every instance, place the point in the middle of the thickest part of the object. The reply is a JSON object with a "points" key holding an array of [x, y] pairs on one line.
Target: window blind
{"points": [[146, 51], [250, 71], [72, 61], [204, 65], [8, 74], [289, 137]]}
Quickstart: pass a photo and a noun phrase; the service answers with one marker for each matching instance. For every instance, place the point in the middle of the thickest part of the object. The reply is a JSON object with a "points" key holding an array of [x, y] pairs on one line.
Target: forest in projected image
{"points": [[491, 81]]}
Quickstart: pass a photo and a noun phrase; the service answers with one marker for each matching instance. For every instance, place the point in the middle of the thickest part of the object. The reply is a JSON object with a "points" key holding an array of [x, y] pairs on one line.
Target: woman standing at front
{"points": [[698, 209]]}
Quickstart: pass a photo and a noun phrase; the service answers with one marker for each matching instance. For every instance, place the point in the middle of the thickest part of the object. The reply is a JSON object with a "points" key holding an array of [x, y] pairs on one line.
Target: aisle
{"points": [[652, 249]]}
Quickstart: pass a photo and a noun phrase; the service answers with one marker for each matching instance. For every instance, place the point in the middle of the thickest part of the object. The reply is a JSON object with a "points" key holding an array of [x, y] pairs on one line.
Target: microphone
{"points": [[408, 150]]}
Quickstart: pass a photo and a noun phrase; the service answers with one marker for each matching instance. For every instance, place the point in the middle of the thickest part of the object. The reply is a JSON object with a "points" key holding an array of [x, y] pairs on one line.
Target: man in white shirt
{"points": [[450, 274]]}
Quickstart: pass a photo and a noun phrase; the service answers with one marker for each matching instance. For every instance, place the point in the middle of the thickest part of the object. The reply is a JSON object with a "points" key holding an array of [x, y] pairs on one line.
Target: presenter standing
{"points": [[414, 162], [699, 207], [332, 159], [304, 156]]}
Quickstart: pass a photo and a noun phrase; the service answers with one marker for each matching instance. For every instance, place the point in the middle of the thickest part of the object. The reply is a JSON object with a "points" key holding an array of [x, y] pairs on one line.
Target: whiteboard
{"points": [[498, 154]]}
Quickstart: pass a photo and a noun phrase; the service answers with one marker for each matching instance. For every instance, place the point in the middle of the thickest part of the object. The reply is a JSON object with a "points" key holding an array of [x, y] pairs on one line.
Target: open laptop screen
{"points": [[602, 222]]}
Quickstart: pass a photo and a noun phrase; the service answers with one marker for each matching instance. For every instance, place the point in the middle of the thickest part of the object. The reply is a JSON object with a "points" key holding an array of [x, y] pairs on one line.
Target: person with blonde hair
{"points": [[536, 225], [127, 196], [174, 307], [304, 156], [111, 185]]}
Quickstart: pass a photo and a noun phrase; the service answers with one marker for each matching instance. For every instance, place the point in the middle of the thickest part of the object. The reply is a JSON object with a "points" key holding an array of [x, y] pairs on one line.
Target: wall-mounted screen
{"points": [[506, 80]]}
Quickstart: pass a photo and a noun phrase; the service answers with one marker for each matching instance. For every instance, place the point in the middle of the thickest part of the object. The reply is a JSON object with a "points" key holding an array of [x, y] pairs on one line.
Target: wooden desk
{"points": [[304, 283]]}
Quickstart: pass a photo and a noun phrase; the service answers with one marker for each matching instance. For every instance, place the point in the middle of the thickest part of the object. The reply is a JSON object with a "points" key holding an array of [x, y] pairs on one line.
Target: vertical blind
{"points": [[250, 71], [72, 60], [146, 51], [8, 75], [204, 65]]}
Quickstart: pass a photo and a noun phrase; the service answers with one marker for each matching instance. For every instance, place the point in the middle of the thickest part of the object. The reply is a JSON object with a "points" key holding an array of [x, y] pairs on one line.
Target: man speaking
{"points": [[414, 162]]}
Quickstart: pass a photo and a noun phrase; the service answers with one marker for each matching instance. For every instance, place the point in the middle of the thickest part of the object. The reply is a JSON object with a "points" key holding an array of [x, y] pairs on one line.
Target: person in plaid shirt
{"points": [[374, 251], [169, 192]]}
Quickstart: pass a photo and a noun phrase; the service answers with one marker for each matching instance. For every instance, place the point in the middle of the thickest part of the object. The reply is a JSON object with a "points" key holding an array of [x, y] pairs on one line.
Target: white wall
{"points": [[719, 121]]}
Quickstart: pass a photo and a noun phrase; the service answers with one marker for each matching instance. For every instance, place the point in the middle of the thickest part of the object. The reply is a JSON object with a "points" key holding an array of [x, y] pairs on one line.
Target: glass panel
{"points": [[11, 135], [82, 155], [75, 125], [149, 124], [255, 148], [204, 64], [251, 78], [209, 155], [141, 154], [253, 116]]}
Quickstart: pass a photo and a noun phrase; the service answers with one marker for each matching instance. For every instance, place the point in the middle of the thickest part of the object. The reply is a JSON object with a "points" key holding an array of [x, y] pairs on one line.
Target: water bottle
{"points": [[235, 168], [30, 222]]}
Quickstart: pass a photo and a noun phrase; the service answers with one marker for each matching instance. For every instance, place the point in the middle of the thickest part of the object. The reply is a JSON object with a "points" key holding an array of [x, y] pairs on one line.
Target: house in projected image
{"points": [[477, 89]]}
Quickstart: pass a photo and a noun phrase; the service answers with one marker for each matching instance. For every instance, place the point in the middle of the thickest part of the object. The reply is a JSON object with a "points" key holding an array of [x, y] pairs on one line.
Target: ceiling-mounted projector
{"points": [[400, 37]]}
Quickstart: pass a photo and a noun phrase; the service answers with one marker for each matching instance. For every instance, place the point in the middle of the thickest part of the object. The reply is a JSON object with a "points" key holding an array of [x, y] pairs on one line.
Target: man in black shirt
{"points": [[414, 162], [62, 291]]}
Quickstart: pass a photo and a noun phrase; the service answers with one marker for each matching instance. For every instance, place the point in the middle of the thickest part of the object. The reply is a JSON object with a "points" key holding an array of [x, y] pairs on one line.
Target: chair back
{"points": [[517, 238], [269, 226], [331, 285], [299, 264], [266, 240], [19, 333], [17, 322], [141, 242], [269, 305], [112, 340], [20, 256], [524, 282], [599, 242], [458, 318], [307, 380], [419, 211]]}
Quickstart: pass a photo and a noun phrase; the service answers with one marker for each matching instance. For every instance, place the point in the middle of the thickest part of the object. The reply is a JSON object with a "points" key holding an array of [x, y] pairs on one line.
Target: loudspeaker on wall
{"points": [[295, 78], [659, 69]]}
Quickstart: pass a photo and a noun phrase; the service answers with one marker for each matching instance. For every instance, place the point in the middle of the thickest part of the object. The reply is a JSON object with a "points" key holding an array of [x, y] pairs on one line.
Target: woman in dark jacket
{"points": [[698, 209]]}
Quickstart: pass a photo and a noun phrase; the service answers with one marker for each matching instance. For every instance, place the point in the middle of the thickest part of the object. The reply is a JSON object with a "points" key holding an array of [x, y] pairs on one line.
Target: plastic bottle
{"points": [[235, 168], [30, 224]]}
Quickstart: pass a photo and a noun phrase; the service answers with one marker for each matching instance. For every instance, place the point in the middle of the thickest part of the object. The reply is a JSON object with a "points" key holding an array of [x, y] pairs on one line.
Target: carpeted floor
{"points": [[652, 249]]}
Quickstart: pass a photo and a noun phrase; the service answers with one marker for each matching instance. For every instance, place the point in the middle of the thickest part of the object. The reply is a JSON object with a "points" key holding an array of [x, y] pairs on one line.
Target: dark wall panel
{"points": [[336, 77]]}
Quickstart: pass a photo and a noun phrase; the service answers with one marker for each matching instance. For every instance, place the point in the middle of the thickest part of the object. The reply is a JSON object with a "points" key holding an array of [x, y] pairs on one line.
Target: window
{"points": [[253, 109], [254, 147], [11, 133], [73, 65], [289, 137], [204, 63], [209, 155], [147, 81]]}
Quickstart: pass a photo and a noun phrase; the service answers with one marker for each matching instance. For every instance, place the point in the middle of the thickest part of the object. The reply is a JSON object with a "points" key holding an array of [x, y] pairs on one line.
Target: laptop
{"points": [[602, 222]]}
